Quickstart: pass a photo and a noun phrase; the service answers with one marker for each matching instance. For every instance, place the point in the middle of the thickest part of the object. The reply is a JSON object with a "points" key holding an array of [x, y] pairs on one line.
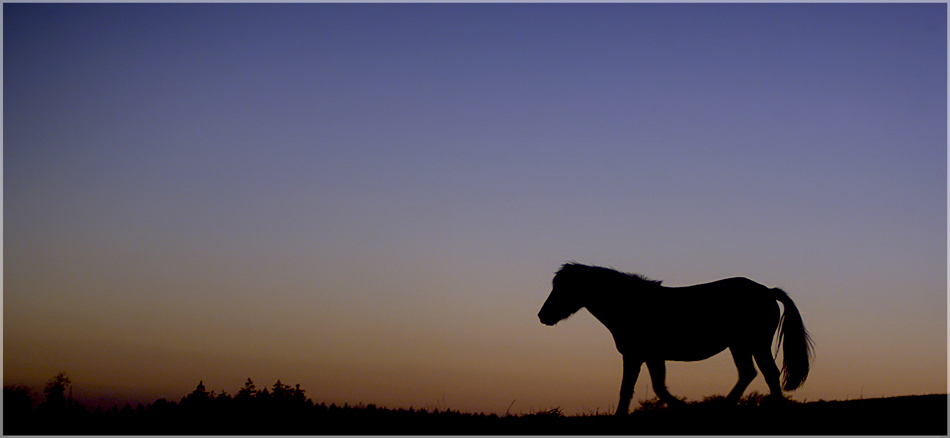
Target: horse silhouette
{"points": [[652, 323]]}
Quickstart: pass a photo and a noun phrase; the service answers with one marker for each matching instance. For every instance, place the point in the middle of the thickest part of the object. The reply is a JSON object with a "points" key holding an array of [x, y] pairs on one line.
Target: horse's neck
{"points": [[605, 314], [613, 308]]}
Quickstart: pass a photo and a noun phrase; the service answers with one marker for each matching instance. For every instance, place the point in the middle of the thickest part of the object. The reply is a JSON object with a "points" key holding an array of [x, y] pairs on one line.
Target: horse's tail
{"points": [[798, 344]]}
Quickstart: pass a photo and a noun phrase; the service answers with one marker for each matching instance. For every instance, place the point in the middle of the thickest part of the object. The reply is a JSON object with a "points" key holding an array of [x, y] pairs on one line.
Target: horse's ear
{"points": [[571, 265], [564, 267]]}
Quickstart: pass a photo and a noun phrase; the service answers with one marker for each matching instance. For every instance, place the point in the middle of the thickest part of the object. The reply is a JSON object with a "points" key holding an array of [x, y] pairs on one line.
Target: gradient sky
{"points": [[371, 200]]}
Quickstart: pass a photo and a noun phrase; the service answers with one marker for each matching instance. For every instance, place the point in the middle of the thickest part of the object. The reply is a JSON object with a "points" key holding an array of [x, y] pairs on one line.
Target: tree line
{"points": [[277, 409], [283, 410]]}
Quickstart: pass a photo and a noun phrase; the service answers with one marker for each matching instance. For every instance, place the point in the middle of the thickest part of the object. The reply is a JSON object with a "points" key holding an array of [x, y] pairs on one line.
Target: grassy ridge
{"points": [[911, 415]]}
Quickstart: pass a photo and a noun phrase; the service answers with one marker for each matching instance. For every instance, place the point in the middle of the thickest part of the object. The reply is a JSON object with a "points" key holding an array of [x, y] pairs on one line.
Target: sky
{"points": [[372, 200]]}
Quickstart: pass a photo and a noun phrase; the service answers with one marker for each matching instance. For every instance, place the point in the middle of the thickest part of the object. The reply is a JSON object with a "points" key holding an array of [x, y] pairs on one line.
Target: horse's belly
{"points": [[692, 354], [694, 347]]}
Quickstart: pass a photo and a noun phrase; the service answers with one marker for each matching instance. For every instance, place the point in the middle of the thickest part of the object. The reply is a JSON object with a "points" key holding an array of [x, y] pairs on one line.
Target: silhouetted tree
{"points": [[262, 394], [59, 413], [199, 394], [298, 395], [161, 406], [56, 391], [17, 398], [246, 392], [17, 407], [281, 391]]}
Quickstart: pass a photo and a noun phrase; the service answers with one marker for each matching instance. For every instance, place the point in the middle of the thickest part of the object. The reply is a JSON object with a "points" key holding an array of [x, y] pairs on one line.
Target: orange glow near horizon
{"points": [[416, 357]]}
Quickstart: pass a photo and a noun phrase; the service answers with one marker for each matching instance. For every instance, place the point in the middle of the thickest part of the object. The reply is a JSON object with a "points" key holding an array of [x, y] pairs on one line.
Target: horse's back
{"points": [[737, 297], [735, 291], [700, 320]]}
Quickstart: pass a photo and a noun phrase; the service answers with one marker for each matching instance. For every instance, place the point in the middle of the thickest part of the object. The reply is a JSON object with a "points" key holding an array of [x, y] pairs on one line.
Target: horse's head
{"points": [[564, 299]]}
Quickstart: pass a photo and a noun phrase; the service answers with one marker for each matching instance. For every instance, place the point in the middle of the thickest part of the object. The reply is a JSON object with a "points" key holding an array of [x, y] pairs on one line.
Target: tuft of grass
{"points": [[651, 405], [753, 399], [711, 399], [553, 412]]}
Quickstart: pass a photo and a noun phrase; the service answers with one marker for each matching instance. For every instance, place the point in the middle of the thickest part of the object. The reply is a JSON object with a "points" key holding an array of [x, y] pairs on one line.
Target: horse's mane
{"points": [[607, 275]]}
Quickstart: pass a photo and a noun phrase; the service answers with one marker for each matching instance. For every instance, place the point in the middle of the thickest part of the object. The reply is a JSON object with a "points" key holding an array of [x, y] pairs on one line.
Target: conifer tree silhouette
{"points": [[56, 390], [247, 392]]}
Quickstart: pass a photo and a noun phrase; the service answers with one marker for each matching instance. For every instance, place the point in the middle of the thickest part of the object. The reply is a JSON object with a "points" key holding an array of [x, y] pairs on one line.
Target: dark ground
{"points": [[911, 415]]}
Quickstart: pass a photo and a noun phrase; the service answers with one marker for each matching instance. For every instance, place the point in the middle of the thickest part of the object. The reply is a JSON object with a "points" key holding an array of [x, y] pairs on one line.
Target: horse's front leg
{"points": [[631, 369], [658, 376]]}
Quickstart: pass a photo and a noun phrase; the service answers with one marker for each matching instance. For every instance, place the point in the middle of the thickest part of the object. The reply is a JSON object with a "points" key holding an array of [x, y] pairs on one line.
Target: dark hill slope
{"points": [[911, 415]]}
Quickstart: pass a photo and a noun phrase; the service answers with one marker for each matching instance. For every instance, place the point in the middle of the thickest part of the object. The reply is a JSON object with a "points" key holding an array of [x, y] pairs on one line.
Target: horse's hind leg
{"points": [[747, 372], [763, 358], [658, 377]]}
